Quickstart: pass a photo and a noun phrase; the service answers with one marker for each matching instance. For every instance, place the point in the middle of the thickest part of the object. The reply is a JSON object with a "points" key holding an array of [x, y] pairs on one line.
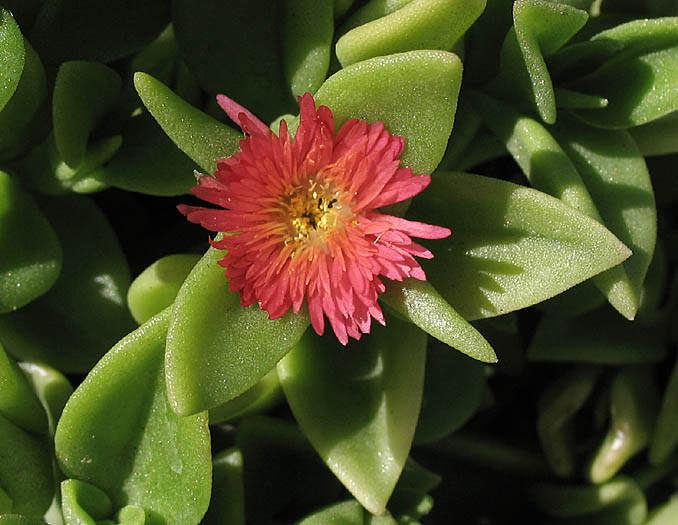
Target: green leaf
{"points": [[83, 503], [539, 29], [665, 434], [659, 137], [155, 288], [601, 337], [11, 56], [31, 253], [198, 135], [454, 388], [616, 176], [84, 313], [549, 169], [419, 302], [234, 48], [348, 512], [308, 26], [227, 504], [420, 24], [263, 395], [633, 408], [18, 402], [511, 246], [83, 93], [52, 389], [25, 470], [414, 94], [97, 30], [373, 390], [639, 80], [216, 349], [149, 162], [119, 433]]}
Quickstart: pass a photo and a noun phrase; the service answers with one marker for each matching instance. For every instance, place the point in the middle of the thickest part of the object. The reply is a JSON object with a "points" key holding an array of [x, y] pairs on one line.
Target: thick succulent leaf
{"points": [[25, 111], [18, 402], [83, 503], [84, 313], [11, 56], [549, 169], [579, 300], [539, 29], [373, 390], [149, 162], [308, 26], [97, 30], [83, 93], [216, 349], [25, 470], [454, 389], [227, 504], [659, 137], [254, 78], [31, 253], [420, 24], [155, 288], [419, 302], [633, 408], [372, 10], [52, 389], [204, 139], [119, 433], [616, 176], [638, 81], [600, 337], [665, 434], [348, 512], [512, 246], [261, 396], [414, 94]]}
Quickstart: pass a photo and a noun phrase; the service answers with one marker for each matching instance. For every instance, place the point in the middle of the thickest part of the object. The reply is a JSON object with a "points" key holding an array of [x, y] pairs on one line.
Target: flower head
{"points": [[304, 221]]}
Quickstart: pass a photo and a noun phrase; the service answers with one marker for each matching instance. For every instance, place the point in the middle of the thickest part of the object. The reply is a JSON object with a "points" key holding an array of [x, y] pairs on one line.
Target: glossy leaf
{"points": [[454, 388], [633, 407], [118, 433], [616, 176], [156, 287], [98, 30], [198, 135], [308, 27], [414, 94], [419, 302], [665, 435], [31, 253], [25, 470], [420, 24], [216, 349], [84, 313], [149, 162], [52, 389], [601, 337], [227, 505], [83, 503], [539, 29], [549, 169], [512, 246], [639, 80], [254, 78], [373, 391], [83, 93], [11, 56], [18, 402]]}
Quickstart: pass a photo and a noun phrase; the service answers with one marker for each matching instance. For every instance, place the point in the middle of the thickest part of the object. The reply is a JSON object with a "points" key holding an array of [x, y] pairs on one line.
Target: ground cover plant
{"points": [[336, 261]]}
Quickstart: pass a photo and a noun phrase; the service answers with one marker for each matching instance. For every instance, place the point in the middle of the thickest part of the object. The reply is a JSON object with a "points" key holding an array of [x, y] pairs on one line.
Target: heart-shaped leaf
{"points": [[373, 391], [84, 313], [414, 94], [419, 302], [216, 349], [512, 246], [204, 139], [420, 24], [11, 56], [83, 93], [31, 253], [119, 433]]}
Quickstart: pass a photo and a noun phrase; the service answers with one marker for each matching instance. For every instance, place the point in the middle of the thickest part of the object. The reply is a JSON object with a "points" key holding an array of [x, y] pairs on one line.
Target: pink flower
{"points": [[304, 221]]}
